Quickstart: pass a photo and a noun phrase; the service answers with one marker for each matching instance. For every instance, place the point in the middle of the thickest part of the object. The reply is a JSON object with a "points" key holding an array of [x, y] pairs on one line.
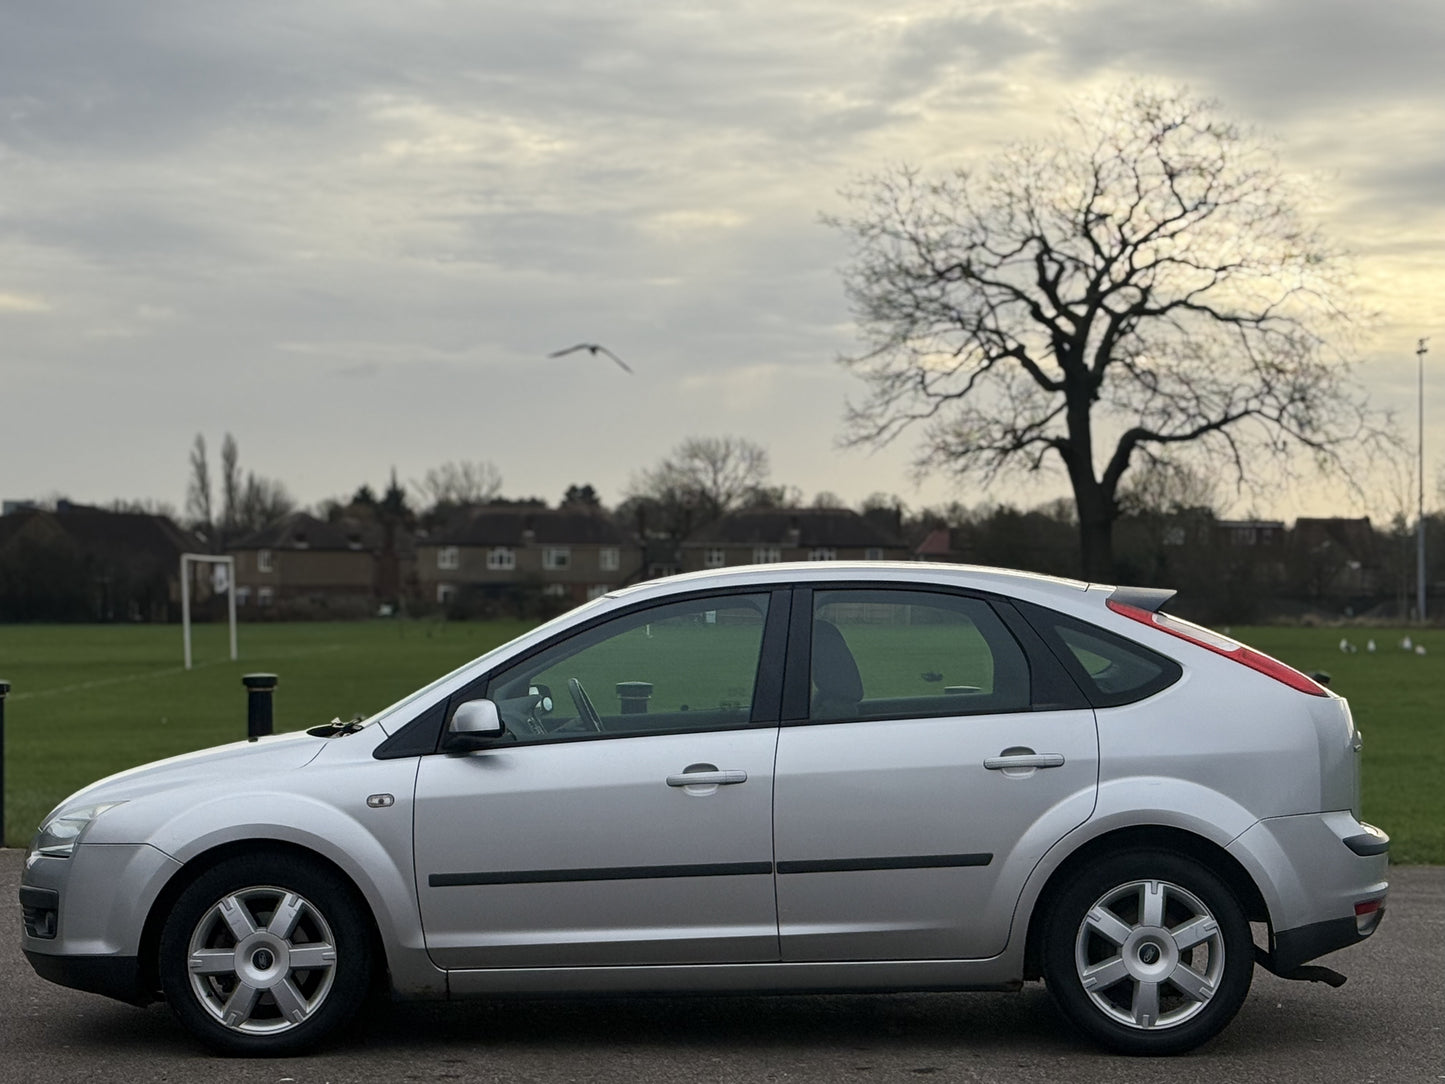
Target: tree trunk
{"points": [[1095, 504], [1096, 546], [1093, 499]]}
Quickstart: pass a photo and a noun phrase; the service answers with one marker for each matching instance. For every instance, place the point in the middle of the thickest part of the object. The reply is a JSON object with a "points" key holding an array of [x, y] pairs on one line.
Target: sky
{"points": [[349, 232]]}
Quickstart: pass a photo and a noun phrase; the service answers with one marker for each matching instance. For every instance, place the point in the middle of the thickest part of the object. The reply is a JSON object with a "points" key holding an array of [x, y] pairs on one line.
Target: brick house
{"points": [[304, 566], [769, 535], [501, 554]]}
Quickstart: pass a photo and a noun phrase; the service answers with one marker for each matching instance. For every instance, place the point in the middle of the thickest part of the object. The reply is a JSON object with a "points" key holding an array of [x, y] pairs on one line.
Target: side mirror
{"points": [[475, 725]]}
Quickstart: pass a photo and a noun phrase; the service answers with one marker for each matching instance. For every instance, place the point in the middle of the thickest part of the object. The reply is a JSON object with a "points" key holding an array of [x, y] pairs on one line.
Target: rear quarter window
{"points": [[1110, 669]]}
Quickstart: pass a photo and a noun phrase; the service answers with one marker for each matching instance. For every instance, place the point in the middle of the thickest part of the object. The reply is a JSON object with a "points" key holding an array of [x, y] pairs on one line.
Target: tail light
{"points": [[1368, 915], [1221, 645]]}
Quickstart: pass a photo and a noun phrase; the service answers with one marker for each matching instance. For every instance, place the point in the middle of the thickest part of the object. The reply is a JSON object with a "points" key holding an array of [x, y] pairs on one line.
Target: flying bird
{"points": [[594, 349]]}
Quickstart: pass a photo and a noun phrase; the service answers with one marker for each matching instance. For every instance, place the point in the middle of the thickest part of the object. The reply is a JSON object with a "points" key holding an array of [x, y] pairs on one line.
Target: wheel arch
{"points": [[205, 861], [1140, 837]]}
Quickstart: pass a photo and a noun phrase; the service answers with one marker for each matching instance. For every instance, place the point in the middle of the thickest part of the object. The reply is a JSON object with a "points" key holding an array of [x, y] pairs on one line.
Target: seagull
{"points": [[594, 349]]}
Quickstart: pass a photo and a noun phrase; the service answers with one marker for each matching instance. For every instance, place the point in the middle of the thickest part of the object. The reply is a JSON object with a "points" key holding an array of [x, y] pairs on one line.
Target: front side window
{"points": [[912, 654], [679, 667]]}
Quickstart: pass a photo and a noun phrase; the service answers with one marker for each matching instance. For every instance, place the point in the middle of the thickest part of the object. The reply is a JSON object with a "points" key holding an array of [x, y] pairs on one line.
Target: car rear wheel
{"points": [[1148, 952], [265, 954]]}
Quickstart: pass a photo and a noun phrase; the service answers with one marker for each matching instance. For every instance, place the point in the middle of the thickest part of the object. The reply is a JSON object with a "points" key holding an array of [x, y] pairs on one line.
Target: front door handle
{"points": [[712, 778], [1006, 761]]}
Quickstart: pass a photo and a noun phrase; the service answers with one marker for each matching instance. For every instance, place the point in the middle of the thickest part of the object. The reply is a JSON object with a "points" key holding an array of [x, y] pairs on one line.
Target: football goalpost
{"points": [[228, 564]]}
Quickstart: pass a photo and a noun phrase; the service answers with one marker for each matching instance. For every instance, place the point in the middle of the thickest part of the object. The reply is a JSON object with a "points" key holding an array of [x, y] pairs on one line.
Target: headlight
{"points": [[58, 836]]}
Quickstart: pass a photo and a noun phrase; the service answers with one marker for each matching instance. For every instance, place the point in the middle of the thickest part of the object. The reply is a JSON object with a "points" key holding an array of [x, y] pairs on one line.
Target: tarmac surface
{"points": [[1383, 1026]]}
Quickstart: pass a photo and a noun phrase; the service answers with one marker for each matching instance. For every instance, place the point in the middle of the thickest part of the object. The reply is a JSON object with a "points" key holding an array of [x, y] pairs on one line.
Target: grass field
{"points": [[91, 700]]}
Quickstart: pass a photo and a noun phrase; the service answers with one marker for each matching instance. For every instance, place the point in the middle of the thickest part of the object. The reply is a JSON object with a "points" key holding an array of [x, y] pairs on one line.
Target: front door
{"points": [[629, 819]]}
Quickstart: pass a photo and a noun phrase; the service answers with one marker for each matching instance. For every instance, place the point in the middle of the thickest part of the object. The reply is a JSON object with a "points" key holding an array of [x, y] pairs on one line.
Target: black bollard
{"points": [[4, 691], [259, 718]]}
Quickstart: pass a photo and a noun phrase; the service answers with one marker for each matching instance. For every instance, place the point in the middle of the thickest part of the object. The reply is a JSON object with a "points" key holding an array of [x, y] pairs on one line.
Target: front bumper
{"points": [[84, 916], [112, 976]]}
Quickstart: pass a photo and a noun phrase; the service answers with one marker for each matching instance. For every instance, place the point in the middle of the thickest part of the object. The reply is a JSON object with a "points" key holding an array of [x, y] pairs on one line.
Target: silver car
{"points": [[821, 777]]}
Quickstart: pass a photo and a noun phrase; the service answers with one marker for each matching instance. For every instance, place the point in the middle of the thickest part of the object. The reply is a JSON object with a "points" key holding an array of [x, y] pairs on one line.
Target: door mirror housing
{"points": [[476, 724]]}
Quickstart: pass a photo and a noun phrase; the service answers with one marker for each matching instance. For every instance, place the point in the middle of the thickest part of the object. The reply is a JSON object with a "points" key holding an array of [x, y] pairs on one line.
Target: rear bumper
{"points": [[1291, 948], [1324, 879]]}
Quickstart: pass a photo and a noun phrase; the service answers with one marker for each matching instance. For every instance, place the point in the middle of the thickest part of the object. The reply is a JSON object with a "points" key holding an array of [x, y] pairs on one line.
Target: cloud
{"points": [[1277, 59], [395, 211], [23, 303]]}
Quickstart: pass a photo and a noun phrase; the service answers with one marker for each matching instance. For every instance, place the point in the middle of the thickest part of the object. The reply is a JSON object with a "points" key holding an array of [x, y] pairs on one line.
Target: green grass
{"points": [[87, 701], [91, 700]]}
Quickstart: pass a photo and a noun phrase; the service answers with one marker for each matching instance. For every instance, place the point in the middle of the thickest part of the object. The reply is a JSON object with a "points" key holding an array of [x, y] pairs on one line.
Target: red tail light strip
{"points": [[1222, 645]]}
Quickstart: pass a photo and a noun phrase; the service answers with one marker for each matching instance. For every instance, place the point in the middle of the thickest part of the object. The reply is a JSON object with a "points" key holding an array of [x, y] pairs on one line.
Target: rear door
{"points": [[930, 754]]}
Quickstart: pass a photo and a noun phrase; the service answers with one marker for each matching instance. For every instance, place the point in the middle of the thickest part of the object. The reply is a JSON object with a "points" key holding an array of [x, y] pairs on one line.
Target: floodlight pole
{"points": [[1420, 353]]}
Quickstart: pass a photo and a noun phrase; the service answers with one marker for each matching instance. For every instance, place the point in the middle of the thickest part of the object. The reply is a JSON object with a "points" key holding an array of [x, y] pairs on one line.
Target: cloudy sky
{"points": [[348, 232]]}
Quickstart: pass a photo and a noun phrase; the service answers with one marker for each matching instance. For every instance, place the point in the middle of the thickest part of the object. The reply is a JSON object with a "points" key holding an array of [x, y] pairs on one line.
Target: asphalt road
{"points": [[1384, 1025]]}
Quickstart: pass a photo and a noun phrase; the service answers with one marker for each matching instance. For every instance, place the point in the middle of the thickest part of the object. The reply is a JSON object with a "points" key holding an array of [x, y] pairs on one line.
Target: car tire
{"points": [[265, 954], [1147, 952]]}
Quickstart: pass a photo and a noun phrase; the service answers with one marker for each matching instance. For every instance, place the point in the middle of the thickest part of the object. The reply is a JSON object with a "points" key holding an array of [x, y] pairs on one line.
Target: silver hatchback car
{"points": [[823, 777]]}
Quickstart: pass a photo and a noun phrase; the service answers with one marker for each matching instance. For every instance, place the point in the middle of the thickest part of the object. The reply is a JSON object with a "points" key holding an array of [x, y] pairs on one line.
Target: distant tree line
{"points": [[1168, 533]]}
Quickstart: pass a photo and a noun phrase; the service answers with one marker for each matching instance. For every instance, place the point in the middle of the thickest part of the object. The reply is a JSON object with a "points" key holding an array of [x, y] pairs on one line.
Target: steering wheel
{"points": [[584, 704]]}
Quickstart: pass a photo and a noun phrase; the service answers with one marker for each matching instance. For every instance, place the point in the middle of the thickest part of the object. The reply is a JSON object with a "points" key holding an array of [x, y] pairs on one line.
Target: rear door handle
{"points": [[1024, 760], [707, 779]]}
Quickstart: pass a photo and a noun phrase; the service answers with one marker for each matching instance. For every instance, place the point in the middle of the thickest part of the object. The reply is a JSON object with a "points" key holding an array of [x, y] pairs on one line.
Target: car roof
{"points": [[1002, 581]]}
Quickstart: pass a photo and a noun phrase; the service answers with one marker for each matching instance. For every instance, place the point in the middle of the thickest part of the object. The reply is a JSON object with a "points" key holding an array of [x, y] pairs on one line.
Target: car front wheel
{"points": [[1148, 952], [265, 954]]}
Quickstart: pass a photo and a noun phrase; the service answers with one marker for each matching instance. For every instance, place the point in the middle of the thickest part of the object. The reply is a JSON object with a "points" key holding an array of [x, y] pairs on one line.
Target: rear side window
{"points": [[1110, 669], [905, 654]]}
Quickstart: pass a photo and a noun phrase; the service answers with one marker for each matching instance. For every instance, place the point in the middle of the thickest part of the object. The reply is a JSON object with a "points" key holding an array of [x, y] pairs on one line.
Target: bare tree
{"points": [[702, 479], [1147, 280], [231, 485], [262, 501], [199, 508], [460, 483], [1162, 487]]}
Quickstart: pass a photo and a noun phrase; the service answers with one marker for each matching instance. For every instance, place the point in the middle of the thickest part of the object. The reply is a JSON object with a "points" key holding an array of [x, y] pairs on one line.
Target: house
{"points": [[1335, 557], [301, 566], [939, 544], [769, 535], [494, 554], [78, 563]]}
